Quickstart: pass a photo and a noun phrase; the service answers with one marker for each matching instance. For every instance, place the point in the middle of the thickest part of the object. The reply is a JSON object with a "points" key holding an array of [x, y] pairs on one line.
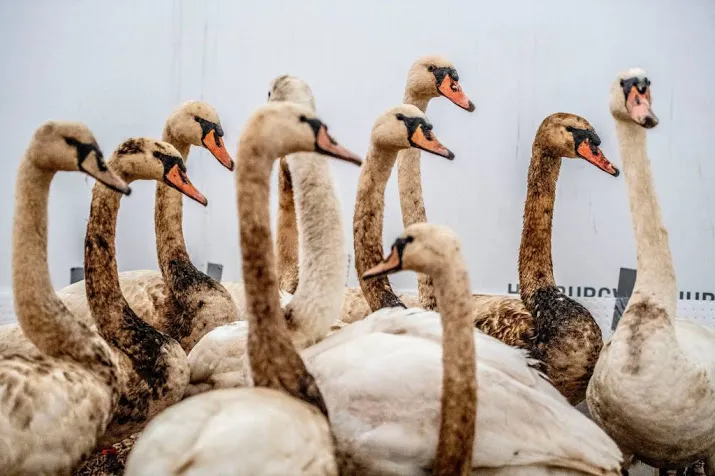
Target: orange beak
{"points": [[594, 155], [453, 91], [432, 144], [215, 145], [389, 265], [178, 179], [329, 146], [638, 106]]}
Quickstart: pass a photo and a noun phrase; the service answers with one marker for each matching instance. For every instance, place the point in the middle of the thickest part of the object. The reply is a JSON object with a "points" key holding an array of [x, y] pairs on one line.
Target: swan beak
{"points": [[97, 168], [638, 106], [214, 143], [329, 146], [593, 154], [177, 178], [389, 265], [451, 89], [419, 140]]}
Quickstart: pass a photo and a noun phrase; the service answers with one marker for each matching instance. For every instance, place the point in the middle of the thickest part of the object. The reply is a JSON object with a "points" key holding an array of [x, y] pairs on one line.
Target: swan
{"points": [[180, 301], [280, 428], [653, 387], [153, 368], [54, 406], [323, 252], [429, 77], [401, 127], [557, 330], [381, 378]]}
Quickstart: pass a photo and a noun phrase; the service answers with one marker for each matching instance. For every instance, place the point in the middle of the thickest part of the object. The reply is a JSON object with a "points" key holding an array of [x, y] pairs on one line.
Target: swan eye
{"points": [[400, 116], [157, 154], [269, 94], [623, 81], [430, 68]]}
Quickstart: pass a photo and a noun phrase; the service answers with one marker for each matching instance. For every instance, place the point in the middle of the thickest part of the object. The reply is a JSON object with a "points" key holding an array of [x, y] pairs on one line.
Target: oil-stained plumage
{"points": [[54, 405]]}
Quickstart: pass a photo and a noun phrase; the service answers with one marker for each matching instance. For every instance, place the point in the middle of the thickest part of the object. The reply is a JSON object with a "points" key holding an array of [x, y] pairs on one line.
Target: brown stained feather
{"points": [[108, 461], [368, 220], [504, 319], [193, 303], [287, 226], [649, 317], [153, 365]]}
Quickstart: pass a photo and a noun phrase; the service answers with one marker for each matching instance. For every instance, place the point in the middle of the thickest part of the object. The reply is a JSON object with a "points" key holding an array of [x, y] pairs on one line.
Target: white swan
{"points": [[382, 381], [653, 388]]}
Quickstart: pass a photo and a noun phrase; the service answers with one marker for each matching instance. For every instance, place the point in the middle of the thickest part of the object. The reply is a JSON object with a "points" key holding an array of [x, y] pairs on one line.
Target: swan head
{"points": [[71, 146], [433, 76], [141, 158], [277, 129], [405, 126], [292, 89], [423, 247], [197, 123], [571, 136], [631, 98]]}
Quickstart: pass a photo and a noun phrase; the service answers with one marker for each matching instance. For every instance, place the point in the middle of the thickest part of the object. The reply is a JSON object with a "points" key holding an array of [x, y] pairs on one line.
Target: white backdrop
{"points": [[121, 67]]}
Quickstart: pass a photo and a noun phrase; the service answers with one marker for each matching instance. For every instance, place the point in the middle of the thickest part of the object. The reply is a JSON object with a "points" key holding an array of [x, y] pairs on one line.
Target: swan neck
{"points": [[319, 294], [104, 294], [274, 361], [287, 230], [368, 223], [535, 262], [412, 204], [418, 101], [42, 316], [171, 249], [459, 396], [656, 274]]}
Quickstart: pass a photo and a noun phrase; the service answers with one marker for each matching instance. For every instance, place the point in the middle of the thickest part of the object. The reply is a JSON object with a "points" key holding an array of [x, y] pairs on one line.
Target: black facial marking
{"points": [[412, 124], [440, 73], [207, 127], [580, 135], [131, 146], [313, 123], [316, 124], [169, 161], [641, 85], [400, 244], [83, 150]]}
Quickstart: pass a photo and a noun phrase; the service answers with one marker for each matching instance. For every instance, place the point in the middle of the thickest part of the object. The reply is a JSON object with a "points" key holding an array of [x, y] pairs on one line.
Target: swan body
{"points": [[286, 436], [381, 380]]}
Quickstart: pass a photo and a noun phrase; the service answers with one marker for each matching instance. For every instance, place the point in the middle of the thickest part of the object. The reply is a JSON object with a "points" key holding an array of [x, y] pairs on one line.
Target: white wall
{"points": [[123, 66]]}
